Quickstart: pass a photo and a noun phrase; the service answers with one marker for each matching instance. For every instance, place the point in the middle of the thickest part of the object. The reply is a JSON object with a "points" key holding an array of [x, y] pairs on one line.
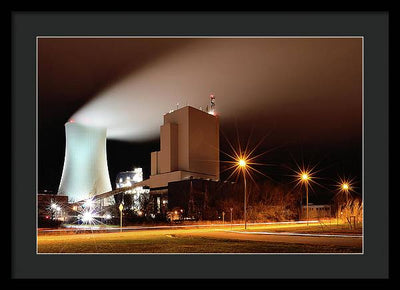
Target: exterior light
{"points": [[87, 217], [345, 187], [242, 162], [304, 176]]}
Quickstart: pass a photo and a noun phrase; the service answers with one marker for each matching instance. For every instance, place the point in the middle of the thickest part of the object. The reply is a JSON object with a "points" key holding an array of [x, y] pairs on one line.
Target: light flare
{"points": [[345, 187], [244, 160]]}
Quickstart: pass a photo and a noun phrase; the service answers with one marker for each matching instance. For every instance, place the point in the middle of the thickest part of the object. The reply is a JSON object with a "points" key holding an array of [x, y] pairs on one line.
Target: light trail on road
{"points": [[134, 228], [297, 234]]}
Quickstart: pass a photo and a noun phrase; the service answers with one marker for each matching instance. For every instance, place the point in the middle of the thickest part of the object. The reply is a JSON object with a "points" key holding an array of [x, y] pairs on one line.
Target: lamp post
{"points": [[121, 207], [231, 217], [345, 187], [305, 178], [242, 165]]}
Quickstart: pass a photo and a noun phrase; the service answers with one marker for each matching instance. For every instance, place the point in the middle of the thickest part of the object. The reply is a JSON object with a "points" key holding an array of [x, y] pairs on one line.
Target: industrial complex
{"points": [[184, 172]]}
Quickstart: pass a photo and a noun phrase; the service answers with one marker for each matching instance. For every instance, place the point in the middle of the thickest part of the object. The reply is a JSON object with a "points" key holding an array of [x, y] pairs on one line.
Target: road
{"points": [[260, 238], [328, 240], [100, 228]]}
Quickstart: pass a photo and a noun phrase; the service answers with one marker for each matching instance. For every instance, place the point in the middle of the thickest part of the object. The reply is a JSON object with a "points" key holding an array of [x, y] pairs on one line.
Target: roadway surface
{"points": [[288, 233], [102, 228]]}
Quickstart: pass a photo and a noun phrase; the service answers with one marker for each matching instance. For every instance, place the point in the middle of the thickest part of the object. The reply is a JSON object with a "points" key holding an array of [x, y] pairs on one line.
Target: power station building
{"points": [[189, 149], [136, 194]]}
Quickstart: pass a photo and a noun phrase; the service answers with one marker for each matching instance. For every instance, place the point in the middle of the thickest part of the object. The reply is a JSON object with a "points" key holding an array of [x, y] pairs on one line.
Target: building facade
{"points": [[189, 149], [133, 197]]}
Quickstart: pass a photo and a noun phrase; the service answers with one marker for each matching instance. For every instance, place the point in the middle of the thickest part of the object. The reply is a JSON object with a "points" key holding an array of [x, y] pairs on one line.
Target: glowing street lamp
{"points": [[244, 160], [242, 164], [304, 178], [344, 187]]}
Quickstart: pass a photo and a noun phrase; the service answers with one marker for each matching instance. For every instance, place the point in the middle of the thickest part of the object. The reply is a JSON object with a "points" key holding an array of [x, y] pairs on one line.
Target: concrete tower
{"points": [[85, 171]]}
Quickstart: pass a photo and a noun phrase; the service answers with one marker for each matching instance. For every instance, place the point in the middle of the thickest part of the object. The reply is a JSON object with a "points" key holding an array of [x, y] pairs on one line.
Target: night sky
{"points": [[300, 97]]}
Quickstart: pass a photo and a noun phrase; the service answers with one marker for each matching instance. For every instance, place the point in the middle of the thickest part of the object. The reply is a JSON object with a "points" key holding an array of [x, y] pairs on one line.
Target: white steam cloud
{"points": [[248, 76]]}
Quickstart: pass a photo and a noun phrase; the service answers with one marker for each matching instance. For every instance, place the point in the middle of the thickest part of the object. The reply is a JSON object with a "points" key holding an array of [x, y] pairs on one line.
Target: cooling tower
{"points": [[85, 171]]}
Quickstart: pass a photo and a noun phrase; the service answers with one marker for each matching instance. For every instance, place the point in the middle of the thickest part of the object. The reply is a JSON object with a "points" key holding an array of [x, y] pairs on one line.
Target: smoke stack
{"points": [[85, 171]]}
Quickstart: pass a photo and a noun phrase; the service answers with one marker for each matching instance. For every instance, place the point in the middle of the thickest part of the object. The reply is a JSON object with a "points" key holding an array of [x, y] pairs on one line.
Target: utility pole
{"points": [[245, 202], [231, 217], [307, 201], [121, 207]]}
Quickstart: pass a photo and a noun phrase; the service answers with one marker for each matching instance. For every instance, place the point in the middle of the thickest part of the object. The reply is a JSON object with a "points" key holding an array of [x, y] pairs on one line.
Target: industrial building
{"points": [[189, 149], [51, 208], [133, 196], [202, 199], [189, 152]]}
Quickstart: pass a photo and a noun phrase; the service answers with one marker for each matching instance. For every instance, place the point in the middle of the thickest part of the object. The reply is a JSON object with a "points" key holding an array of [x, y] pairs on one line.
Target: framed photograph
{"points": [[225, 145]]}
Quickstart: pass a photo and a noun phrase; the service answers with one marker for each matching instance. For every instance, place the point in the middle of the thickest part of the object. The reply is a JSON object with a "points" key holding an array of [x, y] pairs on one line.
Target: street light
{"points": [[344, 187], [242, 164], [121, 207], [304, 178], [231, 217]]}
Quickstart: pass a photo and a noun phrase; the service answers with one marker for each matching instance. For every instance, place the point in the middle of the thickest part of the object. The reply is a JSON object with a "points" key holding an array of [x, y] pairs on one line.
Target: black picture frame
{"points": [[372, 26]]}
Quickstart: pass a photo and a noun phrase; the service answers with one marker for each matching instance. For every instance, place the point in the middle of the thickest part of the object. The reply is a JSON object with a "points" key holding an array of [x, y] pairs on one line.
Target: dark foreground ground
{"points": [[257, 239]]}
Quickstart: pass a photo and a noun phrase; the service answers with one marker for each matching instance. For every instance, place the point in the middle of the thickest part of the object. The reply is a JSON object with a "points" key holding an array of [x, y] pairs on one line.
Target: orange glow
{"points": [[345, 185], [304, 176], [242, 162]]}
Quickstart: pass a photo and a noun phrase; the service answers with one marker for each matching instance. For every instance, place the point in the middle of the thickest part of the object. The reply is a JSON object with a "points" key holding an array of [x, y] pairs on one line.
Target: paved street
{"points": [[259, 238]]}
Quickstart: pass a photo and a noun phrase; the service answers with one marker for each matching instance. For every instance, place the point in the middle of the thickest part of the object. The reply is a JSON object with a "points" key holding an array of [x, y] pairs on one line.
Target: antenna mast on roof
{"points": [[212, 104]]}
